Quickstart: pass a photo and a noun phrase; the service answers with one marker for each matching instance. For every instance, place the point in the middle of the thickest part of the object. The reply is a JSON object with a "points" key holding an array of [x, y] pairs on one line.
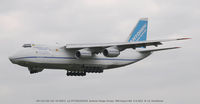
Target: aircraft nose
{"points": [[12, 59]]}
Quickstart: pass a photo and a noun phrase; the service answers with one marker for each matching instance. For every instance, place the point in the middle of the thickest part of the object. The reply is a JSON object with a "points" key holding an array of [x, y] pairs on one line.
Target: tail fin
{"points": [[139, 33]]}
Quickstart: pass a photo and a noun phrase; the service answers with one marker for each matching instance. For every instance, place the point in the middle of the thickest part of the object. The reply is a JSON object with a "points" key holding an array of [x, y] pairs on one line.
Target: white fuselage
{"points": [[61, 58]]}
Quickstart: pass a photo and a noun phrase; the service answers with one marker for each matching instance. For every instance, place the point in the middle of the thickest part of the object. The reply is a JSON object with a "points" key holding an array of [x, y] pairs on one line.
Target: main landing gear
{"points": [[83, 72], [76, 73]]}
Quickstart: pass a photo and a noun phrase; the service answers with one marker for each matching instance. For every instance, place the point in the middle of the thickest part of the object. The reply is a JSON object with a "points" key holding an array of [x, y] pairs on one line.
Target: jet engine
{"points": [[111, 52], [83, 53]]}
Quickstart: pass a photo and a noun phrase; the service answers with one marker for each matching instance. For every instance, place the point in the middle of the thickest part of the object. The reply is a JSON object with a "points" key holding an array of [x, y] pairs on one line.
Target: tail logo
{"points": [[140, 33]]}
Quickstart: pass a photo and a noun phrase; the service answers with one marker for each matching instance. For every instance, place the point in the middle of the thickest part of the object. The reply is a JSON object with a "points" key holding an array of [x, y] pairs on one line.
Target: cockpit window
{"points": [[27, 46]]}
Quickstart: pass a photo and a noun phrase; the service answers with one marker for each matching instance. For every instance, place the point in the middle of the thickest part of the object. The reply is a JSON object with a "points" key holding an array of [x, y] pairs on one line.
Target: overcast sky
{"points": [[172, 76]]}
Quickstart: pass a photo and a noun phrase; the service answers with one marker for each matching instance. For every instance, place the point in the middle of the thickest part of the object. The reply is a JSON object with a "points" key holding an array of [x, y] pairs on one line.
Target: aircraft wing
{"points": [[96, 48]]}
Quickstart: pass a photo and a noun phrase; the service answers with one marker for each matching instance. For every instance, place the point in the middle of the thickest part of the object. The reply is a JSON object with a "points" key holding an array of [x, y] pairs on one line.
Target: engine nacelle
{"points": [[111, 52], [83, 53]]}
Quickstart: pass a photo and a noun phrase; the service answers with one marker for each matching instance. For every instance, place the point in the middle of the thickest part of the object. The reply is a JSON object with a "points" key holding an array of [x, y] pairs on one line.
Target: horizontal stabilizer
{"points": [[160, 49]]}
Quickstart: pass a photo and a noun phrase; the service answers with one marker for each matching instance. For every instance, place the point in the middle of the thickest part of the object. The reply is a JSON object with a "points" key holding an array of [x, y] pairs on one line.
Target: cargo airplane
{"points": [[79, 59]]}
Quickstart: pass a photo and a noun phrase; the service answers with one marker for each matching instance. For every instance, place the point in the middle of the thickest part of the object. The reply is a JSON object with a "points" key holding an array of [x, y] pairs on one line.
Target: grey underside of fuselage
{"points": [[76, 65], [70, 66]]}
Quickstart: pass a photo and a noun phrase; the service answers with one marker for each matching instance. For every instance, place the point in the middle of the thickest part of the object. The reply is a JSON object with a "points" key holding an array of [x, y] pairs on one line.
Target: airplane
{"points": [[79, 59]]}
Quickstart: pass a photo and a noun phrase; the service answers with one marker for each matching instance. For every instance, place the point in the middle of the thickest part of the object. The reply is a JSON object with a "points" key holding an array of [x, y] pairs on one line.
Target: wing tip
{"points": [[183, 38], [177, 47]]}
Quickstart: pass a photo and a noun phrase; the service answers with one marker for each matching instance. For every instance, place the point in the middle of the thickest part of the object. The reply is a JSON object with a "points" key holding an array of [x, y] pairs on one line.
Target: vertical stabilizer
{"points": [[139, 33]]}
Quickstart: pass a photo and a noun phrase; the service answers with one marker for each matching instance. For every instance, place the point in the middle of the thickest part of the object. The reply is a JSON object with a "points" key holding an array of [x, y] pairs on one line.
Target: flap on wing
{"points": [[160, 49]]}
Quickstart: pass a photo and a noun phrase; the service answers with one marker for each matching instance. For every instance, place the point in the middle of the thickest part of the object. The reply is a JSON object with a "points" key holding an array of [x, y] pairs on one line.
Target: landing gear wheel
{"points": [[76, 73]]}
